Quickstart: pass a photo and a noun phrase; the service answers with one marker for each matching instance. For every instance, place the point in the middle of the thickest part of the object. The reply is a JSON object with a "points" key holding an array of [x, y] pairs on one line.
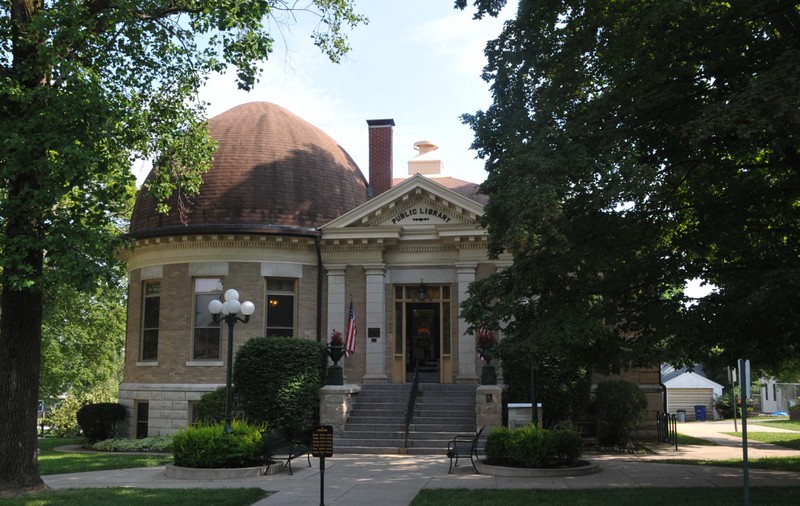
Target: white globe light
{"points": [[234, 306], [248, 308], [231, 295], [215, 306], [225, 310]]}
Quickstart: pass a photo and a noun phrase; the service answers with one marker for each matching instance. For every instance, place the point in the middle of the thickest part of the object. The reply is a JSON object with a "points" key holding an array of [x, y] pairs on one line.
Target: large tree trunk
{"points": [[20, 356]]}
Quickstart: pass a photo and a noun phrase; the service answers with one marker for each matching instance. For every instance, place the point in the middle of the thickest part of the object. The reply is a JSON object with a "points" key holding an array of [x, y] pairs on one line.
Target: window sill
{"points": [[147, 364], [204, 363]]}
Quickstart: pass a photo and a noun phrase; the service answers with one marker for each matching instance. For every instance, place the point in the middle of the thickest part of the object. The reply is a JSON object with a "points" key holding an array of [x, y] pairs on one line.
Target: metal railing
{"points": [[412, 399], [667, 428]]}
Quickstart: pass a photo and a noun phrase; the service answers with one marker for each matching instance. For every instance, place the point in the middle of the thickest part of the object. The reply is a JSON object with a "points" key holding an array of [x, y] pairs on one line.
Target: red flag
{"points": [[350, 333]]}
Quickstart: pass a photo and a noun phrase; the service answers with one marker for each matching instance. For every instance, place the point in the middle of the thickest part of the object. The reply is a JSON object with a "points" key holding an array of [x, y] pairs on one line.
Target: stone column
{"points": [[376, 319], [467, 356], [336, 299], [336, 302]]}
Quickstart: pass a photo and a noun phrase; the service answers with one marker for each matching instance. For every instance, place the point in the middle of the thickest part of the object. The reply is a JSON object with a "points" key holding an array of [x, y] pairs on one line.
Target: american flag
{"points": [[350, 334]]}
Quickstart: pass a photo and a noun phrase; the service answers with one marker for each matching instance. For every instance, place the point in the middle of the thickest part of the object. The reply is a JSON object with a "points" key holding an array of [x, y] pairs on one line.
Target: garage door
{"points": [[688, 398]]}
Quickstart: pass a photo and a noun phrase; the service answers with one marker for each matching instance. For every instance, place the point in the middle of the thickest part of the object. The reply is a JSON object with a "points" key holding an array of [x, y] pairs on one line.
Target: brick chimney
{"points": [[380, 155]]}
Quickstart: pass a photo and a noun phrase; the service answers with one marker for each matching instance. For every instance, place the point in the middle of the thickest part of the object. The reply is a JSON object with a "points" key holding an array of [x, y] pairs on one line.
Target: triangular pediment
{"points": [[418, 202]]}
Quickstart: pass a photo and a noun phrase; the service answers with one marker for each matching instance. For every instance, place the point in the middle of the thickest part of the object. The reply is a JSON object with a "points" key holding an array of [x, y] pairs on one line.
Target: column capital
{"points": [[336, 269], [466, 267], [375, 268]]}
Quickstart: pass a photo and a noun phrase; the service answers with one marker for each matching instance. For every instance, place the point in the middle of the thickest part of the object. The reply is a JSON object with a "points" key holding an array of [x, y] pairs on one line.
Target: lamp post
{"points": [[228, 312]]}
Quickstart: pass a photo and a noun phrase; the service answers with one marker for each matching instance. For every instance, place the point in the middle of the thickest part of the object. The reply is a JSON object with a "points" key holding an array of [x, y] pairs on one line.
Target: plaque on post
{"points": [[322, 441], [322, 446]]}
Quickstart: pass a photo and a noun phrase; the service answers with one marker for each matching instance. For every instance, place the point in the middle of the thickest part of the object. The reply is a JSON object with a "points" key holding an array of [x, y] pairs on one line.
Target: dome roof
{"points": [[273, 172]]}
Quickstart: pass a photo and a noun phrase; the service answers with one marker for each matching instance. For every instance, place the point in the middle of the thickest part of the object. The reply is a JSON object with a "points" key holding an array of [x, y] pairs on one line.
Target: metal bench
{"points": [[282, 447], [461, 446]]}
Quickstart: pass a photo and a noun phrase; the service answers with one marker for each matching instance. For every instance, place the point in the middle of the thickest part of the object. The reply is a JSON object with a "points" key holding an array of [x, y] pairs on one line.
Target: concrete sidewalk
{"points": [[389, 480]]}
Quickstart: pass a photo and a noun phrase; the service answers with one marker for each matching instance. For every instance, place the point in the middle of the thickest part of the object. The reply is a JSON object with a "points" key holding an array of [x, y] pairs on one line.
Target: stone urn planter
{"points": [[335, 352]]}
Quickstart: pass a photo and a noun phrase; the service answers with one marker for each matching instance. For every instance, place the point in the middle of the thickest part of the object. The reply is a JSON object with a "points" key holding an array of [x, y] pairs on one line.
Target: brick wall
{"points": [[380, 155]]}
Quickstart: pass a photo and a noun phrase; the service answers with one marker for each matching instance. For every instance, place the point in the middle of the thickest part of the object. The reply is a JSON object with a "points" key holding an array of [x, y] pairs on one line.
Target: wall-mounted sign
{"points": [[374, 332], [420, 215]]}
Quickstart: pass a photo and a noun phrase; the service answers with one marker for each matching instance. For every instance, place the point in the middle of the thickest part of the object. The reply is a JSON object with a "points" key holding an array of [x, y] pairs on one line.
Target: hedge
{"points": [[278, 380]]}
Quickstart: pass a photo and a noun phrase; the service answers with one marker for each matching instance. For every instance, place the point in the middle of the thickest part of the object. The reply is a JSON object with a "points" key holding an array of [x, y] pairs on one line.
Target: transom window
{"points": [[206, 330], [280, 307]]}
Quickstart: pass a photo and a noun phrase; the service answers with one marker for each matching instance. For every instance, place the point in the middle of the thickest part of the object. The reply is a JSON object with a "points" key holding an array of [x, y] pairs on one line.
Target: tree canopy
{"points": [[83, 338], [86, 87], [631, 146]]}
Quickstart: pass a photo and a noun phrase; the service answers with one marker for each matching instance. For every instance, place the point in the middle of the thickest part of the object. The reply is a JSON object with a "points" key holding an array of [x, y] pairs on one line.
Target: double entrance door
{"points": [[423, 347], [422, 334]]}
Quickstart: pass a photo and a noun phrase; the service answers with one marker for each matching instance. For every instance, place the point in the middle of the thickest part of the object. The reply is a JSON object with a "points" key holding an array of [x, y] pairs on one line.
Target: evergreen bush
{"points": [[99, 421], [210, 408], [210, 447], [278, 380], [620, 408], [531, 446]]}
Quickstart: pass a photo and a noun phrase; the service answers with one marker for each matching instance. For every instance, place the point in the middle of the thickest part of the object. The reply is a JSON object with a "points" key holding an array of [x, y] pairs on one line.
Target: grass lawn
{"points": [[785, 439], [53, 462], [617, 497], [139, 497], [782, 424], [684, 439], [770, 463]]}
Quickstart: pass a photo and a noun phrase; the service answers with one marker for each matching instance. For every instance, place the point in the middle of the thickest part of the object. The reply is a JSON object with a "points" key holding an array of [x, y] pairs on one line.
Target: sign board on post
{"points": [[322, 441], [322, 446]]}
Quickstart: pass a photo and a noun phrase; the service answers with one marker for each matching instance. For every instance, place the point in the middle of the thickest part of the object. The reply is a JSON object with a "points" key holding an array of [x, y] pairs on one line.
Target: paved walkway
{"points": [[389, 480]]}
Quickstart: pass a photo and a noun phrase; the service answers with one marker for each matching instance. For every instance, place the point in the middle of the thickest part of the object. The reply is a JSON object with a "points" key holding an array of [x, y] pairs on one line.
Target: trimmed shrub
{"points": [[278, 380], [533, 447], [62, 420], [210, 447], [620, 408], [498, 447], [210, 408], [98, 421]]}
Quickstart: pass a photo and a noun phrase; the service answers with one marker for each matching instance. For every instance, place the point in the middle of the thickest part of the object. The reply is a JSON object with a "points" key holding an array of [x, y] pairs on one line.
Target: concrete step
{"points": [[377, 422]]}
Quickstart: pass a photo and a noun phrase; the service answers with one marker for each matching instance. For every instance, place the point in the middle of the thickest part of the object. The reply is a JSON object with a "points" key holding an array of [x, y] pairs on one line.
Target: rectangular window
{"points": [[206, 330], [280, 307], [142, 417], [150, 313]]}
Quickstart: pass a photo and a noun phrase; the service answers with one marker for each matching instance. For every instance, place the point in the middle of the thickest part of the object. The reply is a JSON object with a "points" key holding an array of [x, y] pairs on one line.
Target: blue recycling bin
{"points": [[700, 413]]}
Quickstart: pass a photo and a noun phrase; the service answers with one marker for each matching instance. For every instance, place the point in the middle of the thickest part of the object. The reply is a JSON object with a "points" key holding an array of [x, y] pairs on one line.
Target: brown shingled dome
{"points": [[272, 172]]}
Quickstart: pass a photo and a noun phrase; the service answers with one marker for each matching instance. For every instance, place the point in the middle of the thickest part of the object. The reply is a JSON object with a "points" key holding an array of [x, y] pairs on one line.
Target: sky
{"points": [[418, 62]]}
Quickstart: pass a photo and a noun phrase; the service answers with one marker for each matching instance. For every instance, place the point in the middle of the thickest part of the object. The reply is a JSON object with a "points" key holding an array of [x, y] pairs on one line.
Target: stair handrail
{"points": [[412, 399]]}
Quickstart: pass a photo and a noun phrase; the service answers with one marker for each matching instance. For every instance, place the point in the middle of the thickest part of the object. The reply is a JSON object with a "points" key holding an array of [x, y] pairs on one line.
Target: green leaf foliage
{"points": [[209, 446], [533, 447], [63, 419], [160, 444], [210, 408], [562, 384], [621, 408], [277, 380], [87, 87], [98, 421], [83, 338], [634, 145]]}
